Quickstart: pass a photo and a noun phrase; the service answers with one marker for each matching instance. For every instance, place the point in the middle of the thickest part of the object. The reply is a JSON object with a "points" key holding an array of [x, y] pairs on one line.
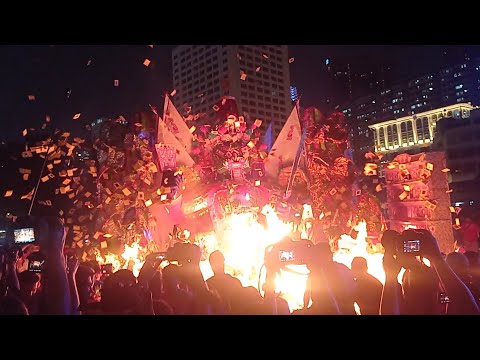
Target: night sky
{"points": [[48, 71]]}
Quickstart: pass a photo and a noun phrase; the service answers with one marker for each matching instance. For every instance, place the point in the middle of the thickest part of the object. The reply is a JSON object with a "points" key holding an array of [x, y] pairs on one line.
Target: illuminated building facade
{"points": [[258, 76], [459, 84], [454, 129], [414, 131]]}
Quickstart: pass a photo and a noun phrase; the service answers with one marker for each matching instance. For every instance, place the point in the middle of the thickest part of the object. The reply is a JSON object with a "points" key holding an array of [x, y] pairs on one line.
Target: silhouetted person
{"points": [[225, 285], [368, 290], [460, 265], [177, 297], [339, 278], [29, 286]]}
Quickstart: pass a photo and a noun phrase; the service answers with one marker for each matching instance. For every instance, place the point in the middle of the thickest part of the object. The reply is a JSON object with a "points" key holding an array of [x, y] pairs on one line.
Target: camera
{"points": [[409, 247], [443, 298], [183, 253], [36, 262], [3, 237], [24, 235], [289, 252], [24, 230], [286, 255], [107, 269], [36, 265]]}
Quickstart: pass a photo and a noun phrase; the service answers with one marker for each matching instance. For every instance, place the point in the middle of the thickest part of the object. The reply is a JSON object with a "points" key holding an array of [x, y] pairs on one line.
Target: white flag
{"points": [[165, 137], [176, 124], [284, 149]]}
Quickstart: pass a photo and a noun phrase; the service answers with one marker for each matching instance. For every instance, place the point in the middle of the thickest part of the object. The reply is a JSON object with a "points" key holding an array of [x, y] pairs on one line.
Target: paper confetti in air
{"points": [[76, 116], [403, 195], [8, 193], [445, 170], [173, 92], [31, 97], [258, 69], [146, 62], [115, 82], [265, 56], [291, 60], [243, 75]]}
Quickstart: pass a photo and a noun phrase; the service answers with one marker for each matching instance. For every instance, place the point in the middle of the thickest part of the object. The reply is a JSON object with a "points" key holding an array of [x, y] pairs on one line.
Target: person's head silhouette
{"points": [[359, 266], [217, 262]]}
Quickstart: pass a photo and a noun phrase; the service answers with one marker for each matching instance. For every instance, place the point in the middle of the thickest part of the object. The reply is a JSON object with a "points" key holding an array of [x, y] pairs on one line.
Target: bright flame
{"points": [[350, 248], [132, 258], [243, 241]]}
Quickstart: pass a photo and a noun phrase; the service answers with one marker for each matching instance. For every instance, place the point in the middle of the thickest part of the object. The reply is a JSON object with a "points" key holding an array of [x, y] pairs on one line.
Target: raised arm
{"points": [[72, 267], [390, 303], [462, 301], [57, 291]]}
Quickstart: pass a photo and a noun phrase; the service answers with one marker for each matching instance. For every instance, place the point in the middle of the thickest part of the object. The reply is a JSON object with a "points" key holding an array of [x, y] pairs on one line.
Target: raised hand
{"points": [[72, 265], [391, 263]]}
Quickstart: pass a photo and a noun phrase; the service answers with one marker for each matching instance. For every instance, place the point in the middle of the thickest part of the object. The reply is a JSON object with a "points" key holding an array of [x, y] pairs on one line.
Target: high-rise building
{"points": [[459, 83], [258, 76], [459, 139]]}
